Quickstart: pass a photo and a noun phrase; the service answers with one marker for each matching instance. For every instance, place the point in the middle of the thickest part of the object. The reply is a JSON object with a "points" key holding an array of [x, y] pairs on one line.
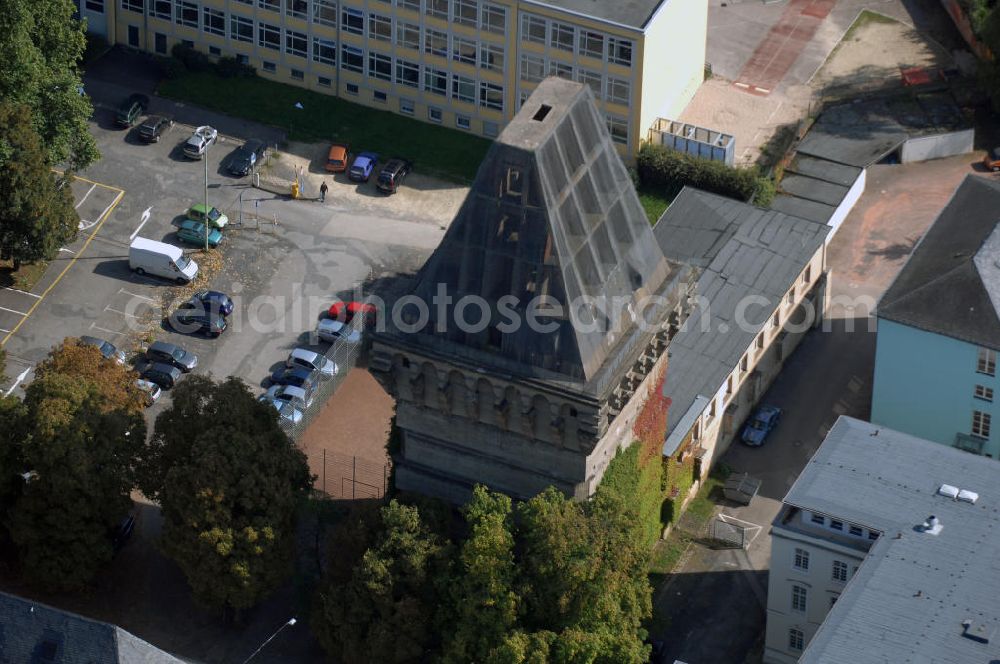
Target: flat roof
{"points": [[628, 13], [912, 593]]}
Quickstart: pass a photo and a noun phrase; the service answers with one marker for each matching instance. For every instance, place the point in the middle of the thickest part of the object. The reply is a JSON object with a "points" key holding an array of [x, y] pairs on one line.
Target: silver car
{"points": [[332, 331], [151, 389], [307, 359], [108, 350], [200, 140], [286, 411], [297, 396]]}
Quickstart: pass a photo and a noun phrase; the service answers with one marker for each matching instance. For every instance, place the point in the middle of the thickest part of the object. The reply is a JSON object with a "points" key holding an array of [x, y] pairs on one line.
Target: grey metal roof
{"points": [[628, 13], [803, 207], [33, 633], [950, 284], [744, 251], [909, 597]]}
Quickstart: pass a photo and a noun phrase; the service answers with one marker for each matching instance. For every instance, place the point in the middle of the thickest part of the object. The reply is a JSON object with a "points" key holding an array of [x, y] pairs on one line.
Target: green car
{"points": [[193, 232], [214, 216]]}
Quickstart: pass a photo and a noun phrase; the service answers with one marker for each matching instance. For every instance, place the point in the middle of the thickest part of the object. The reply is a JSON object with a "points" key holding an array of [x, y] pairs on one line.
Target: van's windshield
{"points": [[182, 262]]}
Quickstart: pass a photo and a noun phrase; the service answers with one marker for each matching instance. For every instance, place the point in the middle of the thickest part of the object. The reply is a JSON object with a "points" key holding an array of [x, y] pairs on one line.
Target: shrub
{"points": [[191, 58], [669, 170], [170, 68], [230, 67]]}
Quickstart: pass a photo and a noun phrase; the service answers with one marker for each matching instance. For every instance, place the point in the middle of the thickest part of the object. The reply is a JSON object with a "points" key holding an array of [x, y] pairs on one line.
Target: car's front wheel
{"points": [[140, 271]]}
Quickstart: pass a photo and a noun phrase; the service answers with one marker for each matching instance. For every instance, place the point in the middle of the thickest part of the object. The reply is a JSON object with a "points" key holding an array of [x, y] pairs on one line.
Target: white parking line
{"points": [[14, 311], [4, 331], [23, 292], [141, 297], [92, 188], [145, 218], [108, 308], [84, 224], [66, 250], [95, 326]]}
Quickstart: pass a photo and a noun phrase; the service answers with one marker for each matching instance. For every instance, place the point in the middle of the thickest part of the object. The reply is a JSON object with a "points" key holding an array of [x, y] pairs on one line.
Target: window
{"points": [[438, 8], [214, 50], [836, 525], [984, 393], [408, 35], [798, 598], [161, 9], [591, 78], [412, 5], [987, 362], [873, 534], [436, 42], [272, 5], [807, 275], [561, 69], [434, 114], [491, 129], [214, 21], [796, 639], [353, 21], [187, 43], [325, 51], [532, 29], [379, 96], [242, 59], [464, 50], [759, 342], [296, 43], [408, 73], [801, 559], [532, 68], [325, 12], [435, 81], [711, 409], [494, 19], [618, 91], [297, 9], [269, 36], [324, 81], [491, 56], [270, 67], [620, 51], [839, 571], [790, 297], [618, 129], [818, 518], [592, 44], [160, 41], [245, 2], [240, 29], [298, 75], [491, 95], [857, 531], [352, 59], [463, 89], [380, 27], [98, 7], [352, 88], [562, 36], [776, 320], [744, 364], [980, 424], [466, 12], [380, 66], [406, 106], [463, 122], [133, 5]]}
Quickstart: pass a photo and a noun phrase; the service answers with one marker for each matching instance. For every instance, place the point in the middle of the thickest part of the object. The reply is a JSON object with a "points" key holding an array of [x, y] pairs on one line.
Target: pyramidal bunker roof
{"points": [[552, 229]]}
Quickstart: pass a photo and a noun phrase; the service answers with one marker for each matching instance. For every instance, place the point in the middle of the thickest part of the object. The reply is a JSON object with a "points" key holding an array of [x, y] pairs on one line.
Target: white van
{"points": [[160, 259]]}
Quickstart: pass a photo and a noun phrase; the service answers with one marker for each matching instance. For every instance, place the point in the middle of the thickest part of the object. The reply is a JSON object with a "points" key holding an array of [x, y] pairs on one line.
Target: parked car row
{"points": [[390, 176]]}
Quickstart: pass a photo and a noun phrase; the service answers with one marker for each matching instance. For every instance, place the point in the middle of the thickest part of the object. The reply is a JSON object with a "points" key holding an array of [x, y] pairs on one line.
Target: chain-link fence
{"points": [[348, 477]]}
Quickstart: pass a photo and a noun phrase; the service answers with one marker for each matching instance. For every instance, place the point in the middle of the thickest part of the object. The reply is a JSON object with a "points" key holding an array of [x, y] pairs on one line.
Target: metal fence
{"points": [[348, 477]]}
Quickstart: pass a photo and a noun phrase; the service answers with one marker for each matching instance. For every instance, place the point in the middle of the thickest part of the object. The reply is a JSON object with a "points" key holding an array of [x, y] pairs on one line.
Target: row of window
{"points": [[986, 363], [489, 18], [801, 562], [534, 68], [800, 595], [566, 37], [840, 526]]}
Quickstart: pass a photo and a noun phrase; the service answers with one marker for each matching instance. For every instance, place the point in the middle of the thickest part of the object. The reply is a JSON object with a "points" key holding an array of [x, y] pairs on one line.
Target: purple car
{"points": [[363, 166]]}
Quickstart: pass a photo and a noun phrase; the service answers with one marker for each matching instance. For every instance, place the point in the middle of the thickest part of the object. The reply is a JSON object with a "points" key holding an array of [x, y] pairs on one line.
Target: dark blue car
{"points": [[760, 424], [210, 301], [363, 166], [295, 376]]}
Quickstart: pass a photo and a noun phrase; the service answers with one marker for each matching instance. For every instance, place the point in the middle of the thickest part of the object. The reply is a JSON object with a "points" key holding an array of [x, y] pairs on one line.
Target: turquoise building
{"points": [[939, 330]]}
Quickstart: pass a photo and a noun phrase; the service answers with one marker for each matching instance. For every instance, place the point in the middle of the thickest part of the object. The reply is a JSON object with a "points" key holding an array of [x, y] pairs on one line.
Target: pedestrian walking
{"points": [[322, 191]]}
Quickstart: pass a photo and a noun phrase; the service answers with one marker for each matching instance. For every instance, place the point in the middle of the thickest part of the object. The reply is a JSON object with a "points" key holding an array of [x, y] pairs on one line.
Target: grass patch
{"points": [[653, 202], [866, 17], [434, 150], [23, 279]]}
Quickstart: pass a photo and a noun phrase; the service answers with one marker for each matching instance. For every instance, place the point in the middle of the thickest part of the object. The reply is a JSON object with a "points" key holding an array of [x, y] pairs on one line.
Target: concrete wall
{"points": [[937, 146], [925, 385], [846, 205]]}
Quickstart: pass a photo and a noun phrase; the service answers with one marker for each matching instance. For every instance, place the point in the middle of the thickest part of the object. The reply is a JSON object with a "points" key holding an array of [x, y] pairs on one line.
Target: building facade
{"points": [[466, 64], [939, 330]]}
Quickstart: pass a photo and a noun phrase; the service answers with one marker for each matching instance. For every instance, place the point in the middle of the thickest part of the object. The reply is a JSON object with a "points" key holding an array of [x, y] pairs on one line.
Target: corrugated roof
{"points": [[630, 13], [909, 597], [941, 289], [744, 251]]}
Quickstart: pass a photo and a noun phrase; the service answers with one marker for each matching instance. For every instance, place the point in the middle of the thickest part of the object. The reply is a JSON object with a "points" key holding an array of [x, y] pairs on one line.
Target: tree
{"points": [[482, 604], [382, 609], [37, 216], [85, 362], [229, 481], [41, 49]]}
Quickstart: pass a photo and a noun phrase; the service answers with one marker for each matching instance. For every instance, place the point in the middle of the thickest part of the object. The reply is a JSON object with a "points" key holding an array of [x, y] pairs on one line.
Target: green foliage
{"points": [[229, 482], [40, 50], [631, 477], [668, 171], [36, 211], [229, 67], [191, 58]]}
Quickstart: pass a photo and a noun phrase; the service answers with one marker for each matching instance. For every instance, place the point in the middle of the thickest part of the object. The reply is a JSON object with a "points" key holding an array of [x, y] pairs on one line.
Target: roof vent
{"points": [[978, 632], [931, 526], [968, 496], [949, 491], [542, 111]]}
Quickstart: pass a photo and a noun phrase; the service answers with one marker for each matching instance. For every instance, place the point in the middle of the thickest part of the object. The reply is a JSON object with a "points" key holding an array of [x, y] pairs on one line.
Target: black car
{"points": [[392, 175], [295, 376], [161, 351], [246, 158], [154, 126], [209, 300], [198, 320], [164, 375], [130, 110], [121, 533]]}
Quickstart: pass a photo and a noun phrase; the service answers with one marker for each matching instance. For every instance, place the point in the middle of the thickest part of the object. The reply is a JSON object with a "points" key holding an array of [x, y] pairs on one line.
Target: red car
{"points": [[345, 311]]}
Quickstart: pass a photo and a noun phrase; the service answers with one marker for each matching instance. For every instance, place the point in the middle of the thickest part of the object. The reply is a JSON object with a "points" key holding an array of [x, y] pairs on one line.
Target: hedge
{"points": [[670, 171]]}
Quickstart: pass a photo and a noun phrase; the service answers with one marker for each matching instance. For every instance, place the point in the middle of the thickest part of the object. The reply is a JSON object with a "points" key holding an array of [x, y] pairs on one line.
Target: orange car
{"points": [[992, 159], [336, 161]]}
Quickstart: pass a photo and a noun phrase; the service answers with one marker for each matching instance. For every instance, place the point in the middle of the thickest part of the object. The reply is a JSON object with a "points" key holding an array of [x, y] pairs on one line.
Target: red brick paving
{"points": [[779, 50]]}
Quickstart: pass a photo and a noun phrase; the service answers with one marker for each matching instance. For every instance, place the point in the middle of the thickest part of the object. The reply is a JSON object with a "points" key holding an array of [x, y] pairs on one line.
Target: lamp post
{"points": [[206, 196], [288, 623]]}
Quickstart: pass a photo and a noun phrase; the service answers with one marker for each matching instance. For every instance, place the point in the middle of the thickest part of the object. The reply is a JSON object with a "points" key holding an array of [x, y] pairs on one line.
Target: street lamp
{"points": [[288, 623], [207, 146]]}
